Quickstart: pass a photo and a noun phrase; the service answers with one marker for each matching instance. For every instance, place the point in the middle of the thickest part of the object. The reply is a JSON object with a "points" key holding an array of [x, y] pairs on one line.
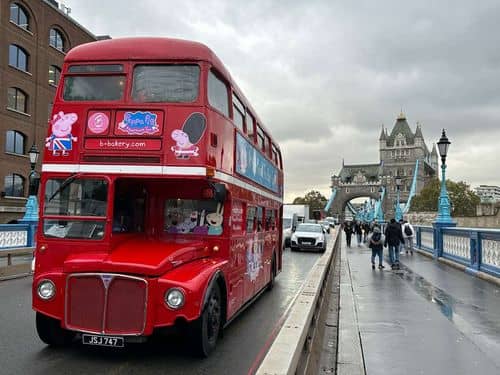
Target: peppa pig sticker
{"points": [[139, 123], [61, 140], [187, 138]]}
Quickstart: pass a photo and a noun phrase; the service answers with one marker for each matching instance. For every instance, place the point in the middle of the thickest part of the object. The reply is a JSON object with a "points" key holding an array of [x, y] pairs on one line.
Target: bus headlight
{"points": [[174, 298], [46, 289]]}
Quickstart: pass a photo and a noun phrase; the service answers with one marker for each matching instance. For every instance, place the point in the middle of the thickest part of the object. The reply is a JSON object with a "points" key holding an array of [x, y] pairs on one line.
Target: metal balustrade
{"points": [[477, 249], [16, 249]]}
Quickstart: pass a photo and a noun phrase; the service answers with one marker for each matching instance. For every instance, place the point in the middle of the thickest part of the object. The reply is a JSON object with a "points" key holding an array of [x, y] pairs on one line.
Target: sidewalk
{"points": [[427, 318]]}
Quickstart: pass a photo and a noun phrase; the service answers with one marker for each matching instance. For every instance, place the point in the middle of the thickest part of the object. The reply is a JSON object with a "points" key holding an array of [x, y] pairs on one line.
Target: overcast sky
{"points": [[325, 75]]}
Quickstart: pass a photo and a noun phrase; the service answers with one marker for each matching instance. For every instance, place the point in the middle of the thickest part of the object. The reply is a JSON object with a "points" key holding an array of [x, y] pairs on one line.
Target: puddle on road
{"points": [[443, 300]]}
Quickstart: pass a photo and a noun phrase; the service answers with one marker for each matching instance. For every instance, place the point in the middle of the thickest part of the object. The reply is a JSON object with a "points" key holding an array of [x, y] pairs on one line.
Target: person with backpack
{"points": [[393, 239], [408, 234], [376, 243]]}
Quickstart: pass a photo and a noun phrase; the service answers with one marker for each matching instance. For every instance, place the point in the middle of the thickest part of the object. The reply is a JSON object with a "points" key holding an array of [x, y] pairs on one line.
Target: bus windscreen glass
{"points": [[166, 83], [93, 88]]}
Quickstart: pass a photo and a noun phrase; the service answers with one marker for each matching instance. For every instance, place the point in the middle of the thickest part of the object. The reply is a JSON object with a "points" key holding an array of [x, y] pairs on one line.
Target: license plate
{"points": [[117, 342]]}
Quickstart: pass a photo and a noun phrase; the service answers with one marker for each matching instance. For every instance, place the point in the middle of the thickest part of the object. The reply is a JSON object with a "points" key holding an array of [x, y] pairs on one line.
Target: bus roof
{"points": [[154, 48], [144, 48]]}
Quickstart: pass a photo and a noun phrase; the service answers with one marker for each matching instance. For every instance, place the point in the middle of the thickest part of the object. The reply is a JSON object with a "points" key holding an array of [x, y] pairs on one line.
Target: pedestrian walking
{"points": [[376, 243], [358, 229], [348, 229], [366, 231], [393, 239], [408, 234]]}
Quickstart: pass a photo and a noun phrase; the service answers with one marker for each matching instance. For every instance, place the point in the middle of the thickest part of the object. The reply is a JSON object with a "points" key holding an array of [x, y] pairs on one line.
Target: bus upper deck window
{"points": [[166, 83], [93, 87]]}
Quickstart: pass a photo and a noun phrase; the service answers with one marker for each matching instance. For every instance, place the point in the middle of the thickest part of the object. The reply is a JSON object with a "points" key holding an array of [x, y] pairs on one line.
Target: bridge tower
{"points": [[398, 150]]}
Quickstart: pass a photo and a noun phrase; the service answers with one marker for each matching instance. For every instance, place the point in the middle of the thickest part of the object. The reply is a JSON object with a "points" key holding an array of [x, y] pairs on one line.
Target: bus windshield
{"points": [[78, 197], [93, 88], [166, 83]]}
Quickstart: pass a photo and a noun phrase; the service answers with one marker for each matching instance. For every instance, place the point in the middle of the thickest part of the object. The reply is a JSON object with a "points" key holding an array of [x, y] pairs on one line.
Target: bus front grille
{"points": [[106, 303]]}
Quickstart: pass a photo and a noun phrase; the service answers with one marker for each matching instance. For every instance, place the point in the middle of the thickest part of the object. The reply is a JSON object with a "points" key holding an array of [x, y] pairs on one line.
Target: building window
{"points": [[49, 109], [56, 39], [14, 142], [17, 100], [18, 57], [54, 75], [217, 94], [19, 16], [14, 185]]}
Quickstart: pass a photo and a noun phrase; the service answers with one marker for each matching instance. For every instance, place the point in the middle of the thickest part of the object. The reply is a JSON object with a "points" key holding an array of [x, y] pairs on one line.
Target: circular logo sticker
{"points": [[98, 122]]}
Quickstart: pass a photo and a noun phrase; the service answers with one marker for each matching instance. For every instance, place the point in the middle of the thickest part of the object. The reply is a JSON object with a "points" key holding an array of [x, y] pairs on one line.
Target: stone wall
{"points": [[426, 218]]}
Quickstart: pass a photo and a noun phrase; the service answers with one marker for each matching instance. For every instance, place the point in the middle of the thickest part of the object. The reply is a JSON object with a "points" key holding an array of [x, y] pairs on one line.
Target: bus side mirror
{"points": [[220, 192], [294, 228]]}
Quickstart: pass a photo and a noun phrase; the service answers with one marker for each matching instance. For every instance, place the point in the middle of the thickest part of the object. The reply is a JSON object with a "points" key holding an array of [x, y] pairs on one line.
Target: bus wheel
{"points": [[273, 274], [50, 332], [205, 330]]}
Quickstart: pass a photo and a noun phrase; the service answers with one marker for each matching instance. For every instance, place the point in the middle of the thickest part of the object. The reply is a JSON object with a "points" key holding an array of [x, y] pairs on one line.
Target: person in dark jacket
{"points": [[358, 229], [348, 232], [393, 239], [376, 243]]}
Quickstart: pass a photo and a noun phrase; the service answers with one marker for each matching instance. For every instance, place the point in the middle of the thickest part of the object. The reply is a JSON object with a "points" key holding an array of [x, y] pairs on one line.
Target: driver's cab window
{"points": [[128, 207], [195, 216]]}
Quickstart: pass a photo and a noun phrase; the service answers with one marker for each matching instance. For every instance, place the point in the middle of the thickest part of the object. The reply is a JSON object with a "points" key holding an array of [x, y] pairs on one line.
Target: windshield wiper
{"points": [[65, 183]]}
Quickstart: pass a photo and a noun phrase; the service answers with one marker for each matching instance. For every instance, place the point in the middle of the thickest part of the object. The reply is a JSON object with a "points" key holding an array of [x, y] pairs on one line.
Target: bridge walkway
{"points": [[427, 318]]}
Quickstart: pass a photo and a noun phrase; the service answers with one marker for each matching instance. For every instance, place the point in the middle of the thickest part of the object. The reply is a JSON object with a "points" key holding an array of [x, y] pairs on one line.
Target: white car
{"points": [[309, 236]]}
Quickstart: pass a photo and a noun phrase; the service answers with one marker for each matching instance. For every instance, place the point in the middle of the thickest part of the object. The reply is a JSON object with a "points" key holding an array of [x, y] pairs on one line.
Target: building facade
{"points": [[34, 38], [398, 150], [488, 193]]}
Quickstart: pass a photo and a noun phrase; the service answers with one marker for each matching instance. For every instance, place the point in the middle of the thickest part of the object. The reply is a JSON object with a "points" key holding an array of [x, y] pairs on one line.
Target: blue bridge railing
{"points": [[477, 249]]}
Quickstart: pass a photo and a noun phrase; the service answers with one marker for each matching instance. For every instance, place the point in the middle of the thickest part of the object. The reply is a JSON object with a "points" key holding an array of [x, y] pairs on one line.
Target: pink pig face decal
{"points": [[61, 140], [181, 138], [63, 123]]}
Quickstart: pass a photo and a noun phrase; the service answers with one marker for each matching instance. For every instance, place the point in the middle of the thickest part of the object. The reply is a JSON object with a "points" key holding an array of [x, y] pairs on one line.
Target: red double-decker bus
{"points": [[161, 197]]}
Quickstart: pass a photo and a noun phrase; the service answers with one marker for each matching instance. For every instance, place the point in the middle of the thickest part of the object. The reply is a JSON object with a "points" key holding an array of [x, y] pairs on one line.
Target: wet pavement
{"points": [[427, 318]]}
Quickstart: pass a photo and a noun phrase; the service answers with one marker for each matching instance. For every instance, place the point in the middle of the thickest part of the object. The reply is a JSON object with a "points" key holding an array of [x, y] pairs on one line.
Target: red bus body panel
{"points": [[92, 276]]}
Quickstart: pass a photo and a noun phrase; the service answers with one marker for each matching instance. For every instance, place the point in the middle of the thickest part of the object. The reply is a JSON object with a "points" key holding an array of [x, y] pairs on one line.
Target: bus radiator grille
{"points": [[106, 303]]}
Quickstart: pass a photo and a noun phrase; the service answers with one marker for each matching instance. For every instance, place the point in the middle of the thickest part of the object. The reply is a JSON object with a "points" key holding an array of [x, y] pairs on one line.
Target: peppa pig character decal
{"points": [[61, 138], [187, 138], [214, 221], [254, 258]]}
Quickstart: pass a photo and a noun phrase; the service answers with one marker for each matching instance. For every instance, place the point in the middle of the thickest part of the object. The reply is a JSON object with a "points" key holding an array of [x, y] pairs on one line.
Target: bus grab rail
{"points": [[293, 340]]}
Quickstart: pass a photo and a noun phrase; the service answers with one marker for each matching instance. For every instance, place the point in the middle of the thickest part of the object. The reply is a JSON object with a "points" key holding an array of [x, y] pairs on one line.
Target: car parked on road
{"points": [[309, 236]]}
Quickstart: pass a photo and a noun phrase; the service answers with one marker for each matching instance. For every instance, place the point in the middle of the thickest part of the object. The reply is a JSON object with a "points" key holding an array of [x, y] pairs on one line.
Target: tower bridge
{"points": [[403, 153]]}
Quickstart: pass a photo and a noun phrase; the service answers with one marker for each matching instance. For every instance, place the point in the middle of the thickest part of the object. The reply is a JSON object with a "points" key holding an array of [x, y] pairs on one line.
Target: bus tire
{"points": [[273, 273], [50, 331], [205, 330]]}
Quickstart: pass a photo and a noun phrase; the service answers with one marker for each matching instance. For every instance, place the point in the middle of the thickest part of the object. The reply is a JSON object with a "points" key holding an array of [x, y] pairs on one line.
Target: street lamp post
{"points": [[443, 218], [31, 214], [397, 212]]}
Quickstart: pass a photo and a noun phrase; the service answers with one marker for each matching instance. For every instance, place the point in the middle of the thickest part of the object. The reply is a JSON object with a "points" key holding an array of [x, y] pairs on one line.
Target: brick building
{"points": [[34, 37]]}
